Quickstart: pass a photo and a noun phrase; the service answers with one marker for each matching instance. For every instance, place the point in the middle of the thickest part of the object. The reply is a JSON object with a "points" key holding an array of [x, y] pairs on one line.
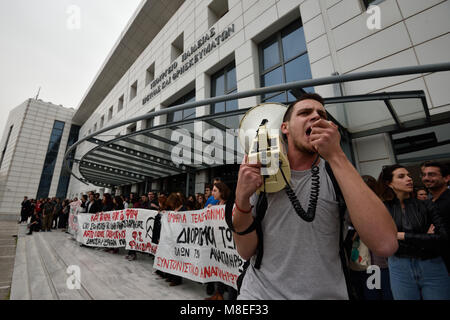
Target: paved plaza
{"points": [[43, 258]]}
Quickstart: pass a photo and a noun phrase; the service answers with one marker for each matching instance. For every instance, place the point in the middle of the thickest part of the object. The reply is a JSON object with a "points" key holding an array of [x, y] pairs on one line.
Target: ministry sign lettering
{"points": [[200, 49]]}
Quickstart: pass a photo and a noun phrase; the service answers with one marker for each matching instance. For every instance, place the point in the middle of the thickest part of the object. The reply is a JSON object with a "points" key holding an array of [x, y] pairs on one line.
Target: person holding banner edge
{"points": [[221, 194], [174, 203], [301, 259]]}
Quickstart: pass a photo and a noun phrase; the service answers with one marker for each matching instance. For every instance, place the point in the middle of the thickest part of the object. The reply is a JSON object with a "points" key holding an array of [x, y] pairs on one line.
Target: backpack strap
{"points": [[261, 208], [342, 209]]}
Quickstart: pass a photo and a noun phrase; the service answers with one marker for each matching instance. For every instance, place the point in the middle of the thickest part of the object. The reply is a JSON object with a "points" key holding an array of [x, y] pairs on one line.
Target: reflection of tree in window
{"points": [[284, 58]]}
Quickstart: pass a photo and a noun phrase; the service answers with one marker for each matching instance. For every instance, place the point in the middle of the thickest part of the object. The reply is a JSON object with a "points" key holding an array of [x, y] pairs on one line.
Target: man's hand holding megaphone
{"points": [[249, 180], [325, 138]]}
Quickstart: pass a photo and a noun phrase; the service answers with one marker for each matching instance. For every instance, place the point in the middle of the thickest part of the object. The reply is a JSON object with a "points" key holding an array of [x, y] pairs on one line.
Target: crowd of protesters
{"points": [[45, 214], [420, 269], [52, 213]]}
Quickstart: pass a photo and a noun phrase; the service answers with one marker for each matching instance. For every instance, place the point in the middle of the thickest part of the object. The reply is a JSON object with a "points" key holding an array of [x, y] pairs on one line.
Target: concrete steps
{"points": [[55, 268], [42, 260]]}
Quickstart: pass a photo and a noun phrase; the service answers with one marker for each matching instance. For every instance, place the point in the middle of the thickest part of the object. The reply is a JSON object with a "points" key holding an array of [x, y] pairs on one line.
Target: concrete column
{"points": [[247, 72], [201, 178], [372, 153]]}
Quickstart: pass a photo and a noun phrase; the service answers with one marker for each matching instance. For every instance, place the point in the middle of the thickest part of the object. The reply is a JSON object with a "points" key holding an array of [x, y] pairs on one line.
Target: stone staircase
{"points": [[42, 259], [8, 234]]}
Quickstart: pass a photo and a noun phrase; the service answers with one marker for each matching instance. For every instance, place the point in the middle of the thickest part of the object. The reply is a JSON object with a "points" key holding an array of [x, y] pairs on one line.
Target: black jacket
{"points": [[443, 204], [415, 222], [94, 208]]}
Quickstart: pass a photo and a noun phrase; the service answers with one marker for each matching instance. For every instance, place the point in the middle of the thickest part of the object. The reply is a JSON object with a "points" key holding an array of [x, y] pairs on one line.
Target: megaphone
{"points": [[260, 137]]}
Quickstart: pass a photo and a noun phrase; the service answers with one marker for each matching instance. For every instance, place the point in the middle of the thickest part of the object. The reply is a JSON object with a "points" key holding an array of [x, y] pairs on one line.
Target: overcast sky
{"points": [[58, 45]]}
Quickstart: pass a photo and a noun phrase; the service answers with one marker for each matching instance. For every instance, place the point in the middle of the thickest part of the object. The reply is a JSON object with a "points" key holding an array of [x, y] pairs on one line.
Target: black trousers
{"points": [[55, 221], [23, 216], [35, 227], [62, 223]]}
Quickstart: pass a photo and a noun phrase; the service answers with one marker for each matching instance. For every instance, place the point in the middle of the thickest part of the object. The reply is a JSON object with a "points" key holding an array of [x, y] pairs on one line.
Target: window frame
{"points": [[224, 71], [111, 113], [121, 101], [184, 99], [297, 24], [133, 92]]}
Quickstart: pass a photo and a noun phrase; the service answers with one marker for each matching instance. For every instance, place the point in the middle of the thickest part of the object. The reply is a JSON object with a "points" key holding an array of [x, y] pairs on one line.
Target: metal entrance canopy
{"points": [[147, 154]]}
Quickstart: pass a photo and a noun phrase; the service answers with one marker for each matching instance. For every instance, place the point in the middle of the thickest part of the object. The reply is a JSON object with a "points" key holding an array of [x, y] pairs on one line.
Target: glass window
{"points": [[292, 65], [50, 160], [219, 85], [150, 123], [281, 98], [223, 83], [182, 114], [219, 107], [177, 116], [271, 55], [233, 104], [293, 43], [58, 125], [298, 69], [189, 113], [64, 176], [273, 77], [231, 79]]}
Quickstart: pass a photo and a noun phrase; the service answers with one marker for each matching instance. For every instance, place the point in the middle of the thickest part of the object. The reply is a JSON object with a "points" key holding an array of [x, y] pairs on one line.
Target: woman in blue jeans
{"points": [[416, 270]]}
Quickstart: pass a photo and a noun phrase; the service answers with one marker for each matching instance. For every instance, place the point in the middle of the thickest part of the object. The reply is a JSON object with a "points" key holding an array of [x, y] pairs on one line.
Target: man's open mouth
{"points": [[308, 131]]}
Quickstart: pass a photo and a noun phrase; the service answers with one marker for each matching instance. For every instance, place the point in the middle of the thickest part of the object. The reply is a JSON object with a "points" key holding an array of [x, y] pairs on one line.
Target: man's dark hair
{"points": [[305, 96], [208, 186], [442, 167]]}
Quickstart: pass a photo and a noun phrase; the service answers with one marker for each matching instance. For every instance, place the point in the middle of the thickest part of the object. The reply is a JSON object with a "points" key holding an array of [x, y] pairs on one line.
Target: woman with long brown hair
{"points": [[416, 270], [201, 200]]}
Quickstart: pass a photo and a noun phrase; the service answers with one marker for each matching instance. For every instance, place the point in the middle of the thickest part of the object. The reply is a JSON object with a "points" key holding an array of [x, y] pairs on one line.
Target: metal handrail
{"points": [[391, 72]]}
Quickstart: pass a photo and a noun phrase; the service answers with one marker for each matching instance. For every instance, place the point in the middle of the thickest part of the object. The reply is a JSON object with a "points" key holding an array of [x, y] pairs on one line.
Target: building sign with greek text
{"points": [[197, 52]]}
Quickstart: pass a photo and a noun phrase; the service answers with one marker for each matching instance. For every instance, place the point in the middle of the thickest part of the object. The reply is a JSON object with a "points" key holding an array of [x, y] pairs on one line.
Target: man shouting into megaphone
{"points": [[297, 258]]}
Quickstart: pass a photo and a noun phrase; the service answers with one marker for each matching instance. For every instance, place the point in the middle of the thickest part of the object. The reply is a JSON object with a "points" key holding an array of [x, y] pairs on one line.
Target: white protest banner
{"points": [[73, 224], [198, 245], [140, 238], [107, 229]]}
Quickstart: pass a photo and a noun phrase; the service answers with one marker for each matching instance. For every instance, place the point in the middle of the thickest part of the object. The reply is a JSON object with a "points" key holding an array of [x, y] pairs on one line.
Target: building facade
{"points": [[175, 52], [33, 145]]}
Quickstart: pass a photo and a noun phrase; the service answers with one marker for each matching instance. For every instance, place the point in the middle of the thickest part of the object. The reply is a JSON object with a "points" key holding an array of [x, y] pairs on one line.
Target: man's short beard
{"points": [[304, 149], [437, 186]]}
